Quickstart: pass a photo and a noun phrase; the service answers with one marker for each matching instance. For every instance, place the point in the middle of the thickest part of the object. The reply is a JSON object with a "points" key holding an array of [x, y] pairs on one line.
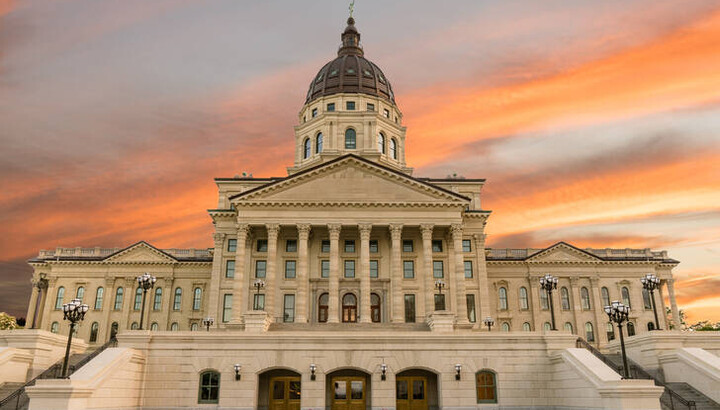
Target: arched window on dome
{"points": [[393, 148], [318, 143], [350, 139], [381, 143], [307, 148]]}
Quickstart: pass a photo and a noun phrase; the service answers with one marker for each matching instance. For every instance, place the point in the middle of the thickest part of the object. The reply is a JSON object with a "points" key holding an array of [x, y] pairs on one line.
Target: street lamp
{"points": [[548, 283], [618, 313], [439, 299], [41, 285], [651, 282], [258, 284], [207, 322], [489, 322], [74, 311], [146, 281]]}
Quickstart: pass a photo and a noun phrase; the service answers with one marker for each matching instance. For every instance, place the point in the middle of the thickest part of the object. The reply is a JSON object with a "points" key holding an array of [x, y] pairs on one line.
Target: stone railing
{"points": [[100, 252], [603, 253]]}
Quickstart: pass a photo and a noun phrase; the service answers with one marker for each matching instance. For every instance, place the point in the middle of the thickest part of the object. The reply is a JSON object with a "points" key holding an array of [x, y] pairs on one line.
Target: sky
{"points": [[596, 123]]}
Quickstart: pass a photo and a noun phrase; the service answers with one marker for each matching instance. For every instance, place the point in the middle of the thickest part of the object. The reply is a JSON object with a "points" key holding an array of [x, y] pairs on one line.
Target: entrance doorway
{"points": [[416, 389], [348, 389], [285, 393]]}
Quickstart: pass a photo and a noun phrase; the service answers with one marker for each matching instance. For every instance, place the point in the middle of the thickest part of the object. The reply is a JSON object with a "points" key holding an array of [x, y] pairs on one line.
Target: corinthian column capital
{"points": [[303, 231], [365, 229], [272, 230], [334, 230], [396, 231], [456, 230], [219, 239], [427, 230]]}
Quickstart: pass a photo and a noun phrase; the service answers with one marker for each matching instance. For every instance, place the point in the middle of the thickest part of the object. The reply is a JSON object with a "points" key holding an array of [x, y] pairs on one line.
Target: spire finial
{"points": [[352, 8]]}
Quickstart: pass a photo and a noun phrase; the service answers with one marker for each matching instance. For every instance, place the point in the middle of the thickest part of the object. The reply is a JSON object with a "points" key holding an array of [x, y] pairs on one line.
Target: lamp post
{"points": [[489, 322], [146, 281], [440, 285], [651, 282], [41, 285], [548, 283], [74, 311], [207, 322], [258, 284], [618, 313]]}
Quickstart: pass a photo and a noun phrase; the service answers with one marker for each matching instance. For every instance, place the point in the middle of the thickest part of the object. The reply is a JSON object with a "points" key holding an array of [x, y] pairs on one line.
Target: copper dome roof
{"points": [[350, 72]]}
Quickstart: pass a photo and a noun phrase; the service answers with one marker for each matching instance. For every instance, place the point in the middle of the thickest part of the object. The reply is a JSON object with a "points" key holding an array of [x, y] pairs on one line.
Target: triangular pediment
{"points": [[351, 180], [141, 252], [563, 252]]}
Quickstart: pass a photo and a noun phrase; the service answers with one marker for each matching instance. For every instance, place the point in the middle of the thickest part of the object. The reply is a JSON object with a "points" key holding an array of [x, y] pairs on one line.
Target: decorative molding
{"points": [[334, 231], [427, 231], [456, 230], [365, 229], [348, 204], [395, 231], [272, 231], [219, 239], [303, 231]]}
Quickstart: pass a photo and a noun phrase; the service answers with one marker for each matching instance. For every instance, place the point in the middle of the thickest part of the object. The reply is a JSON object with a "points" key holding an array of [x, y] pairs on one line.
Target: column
{"points": [[303, 277], [31, 320], [662, 315], [597, 307], [673, 304], [365, 229], [334, 281], [128, 300], [575, 293], [51, 294], [461, 303], [535, 300], [428, 282], [107, 306], [396, 273], [483, 285], [213, 307], [270, 308], [239, 305]]}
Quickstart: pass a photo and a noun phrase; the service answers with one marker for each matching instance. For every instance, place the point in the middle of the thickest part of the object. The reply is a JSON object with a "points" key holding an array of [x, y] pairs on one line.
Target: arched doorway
{"points": [[279, 389], [375, 312], [113, 330], [347, 389], [323, 308], [416, 389], [349, 308]]}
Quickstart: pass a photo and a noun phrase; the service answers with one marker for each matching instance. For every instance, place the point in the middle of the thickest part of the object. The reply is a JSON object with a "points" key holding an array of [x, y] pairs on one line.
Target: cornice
{"points": [[343, 204]]}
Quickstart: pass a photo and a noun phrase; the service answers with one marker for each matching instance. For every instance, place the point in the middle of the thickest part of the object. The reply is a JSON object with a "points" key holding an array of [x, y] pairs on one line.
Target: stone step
{"points": [[687, 392], [350, 327], [8, 388]]}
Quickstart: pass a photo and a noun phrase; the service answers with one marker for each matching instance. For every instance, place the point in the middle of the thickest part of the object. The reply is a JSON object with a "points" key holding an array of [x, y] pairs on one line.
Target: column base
{"points": [[441, 321], [257, 321]]}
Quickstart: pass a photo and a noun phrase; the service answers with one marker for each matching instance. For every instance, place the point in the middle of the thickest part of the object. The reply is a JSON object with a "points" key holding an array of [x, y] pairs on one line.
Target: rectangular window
{"points": [[350, 105], [291, 245], [325, 269], [325, 246], [314, 112], [408, 269], [438, 269], [232, 245], [227, 307], [349, 269], [289, 309], [409, 308], [407, 245], [331, 107], [439, 301], [373, 246], [262, 245], [386, 113], [260, 269], [230, 269], [437, 245], [471, 308], [350, 246], [258, 301], [370, 107], [373, 269], [466, 245], [289, 269], [468, 269]]}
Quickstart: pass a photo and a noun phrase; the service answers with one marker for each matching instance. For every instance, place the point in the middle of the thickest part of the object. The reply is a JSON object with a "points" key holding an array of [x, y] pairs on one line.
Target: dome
{"points": [[350, 72]]}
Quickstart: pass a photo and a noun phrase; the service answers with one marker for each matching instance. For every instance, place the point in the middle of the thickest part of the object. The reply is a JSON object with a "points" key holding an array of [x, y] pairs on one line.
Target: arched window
{"points": [[605, 296], [610, 331], [94, 331], [114, 330], [307, 148], [486, 384], [60, 296], [323, 308], [646, 299], [393, 148], [209, 390], [350, 142], [626, 296], [585, 298], [547, 327], [523, 298], [54, 327], [134, 326], [375, 308], [99, 298], [505, 327], [526, 327], [157, 303], [197, 299], [177, 302], [564, 298], [80, 293], [631, 329], [651, 326], [154, 326], [568, 327], [349, 308], [381, 143], [318, 143], [502, 295], [543, 299], [194, 327], [118, 299], [174, 327], [589, 333], [138, 298]]}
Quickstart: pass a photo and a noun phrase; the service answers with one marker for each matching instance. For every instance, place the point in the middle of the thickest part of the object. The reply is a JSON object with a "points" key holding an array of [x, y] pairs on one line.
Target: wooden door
{"points": [[285, 393], [411, 393], [348, 393]]}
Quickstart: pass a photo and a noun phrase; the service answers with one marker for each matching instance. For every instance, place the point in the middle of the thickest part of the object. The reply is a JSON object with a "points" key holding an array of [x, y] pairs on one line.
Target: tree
{"points": [[668, 315], [705, 326], [7, 322]]}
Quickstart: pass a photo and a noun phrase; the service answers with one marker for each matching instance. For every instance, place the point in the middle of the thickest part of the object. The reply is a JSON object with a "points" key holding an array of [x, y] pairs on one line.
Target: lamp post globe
{"points": [[489, 322], [74, 312], [549, 283], [207, 322], [145, 282], [618, 313], [650, 282]]}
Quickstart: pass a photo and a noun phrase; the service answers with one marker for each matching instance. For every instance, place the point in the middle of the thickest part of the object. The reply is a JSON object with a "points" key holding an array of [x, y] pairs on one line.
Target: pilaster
{"points": [[575, 303], [597, 309], [240, 280], [426, 230], [396, 272], [303, 277], [456, 257], [271, 285], [334, 280], [365, 230], [483, 284], [213, 306]]}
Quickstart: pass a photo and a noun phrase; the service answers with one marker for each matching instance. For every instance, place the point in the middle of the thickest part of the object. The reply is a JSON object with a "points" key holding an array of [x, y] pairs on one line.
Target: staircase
{"points": [[350, 327], [702, 402]]}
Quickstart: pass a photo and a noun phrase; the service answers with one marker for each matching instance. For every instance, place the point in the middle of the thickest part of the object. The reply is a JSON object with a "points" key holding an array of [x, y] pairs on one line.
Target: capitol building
{"points": [[352, 283]]}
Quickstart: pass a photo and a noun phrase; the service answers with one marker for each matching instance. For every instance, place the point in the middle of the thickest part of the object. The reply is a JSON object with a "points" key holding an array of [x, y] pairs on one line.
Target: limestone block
{"points": [[257, 321], [441, 321]]}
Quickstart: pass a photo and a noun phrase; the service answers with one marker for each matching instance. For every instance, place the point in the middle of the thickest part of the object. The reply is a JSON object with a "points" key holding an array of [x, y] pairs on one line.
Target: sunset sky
{"points": [[594, 122]]}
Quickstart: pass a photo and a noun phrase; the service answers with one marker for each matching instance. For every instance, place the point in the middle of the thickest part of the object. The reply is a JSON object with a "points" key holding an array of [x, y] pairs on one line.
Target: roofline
{"points": [[249, 179], [458, 180], [602, 258]]}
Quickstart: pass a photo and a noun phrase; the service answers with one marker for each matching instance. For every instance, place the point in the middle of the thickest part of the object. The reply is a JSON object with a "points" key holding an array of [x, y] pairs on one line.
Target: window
{"points": [[325, 246], [370, 107], [646, 299], [227, 307], [386, 113], [438, 269], [381, 143], [610, 331], [260, 269], [325, 269], [631, 329], [258, 301], [197, 298], [437, 245], [350, 246], [350, 105], [307, 148], [393, 148], [138, 298], [350, 138], [375, 308], [230, 269], [486, 387], [289, 309], [54, 327], [408, 269], [547, 326], [59, 298], [568, 327], [589, 334], [174, 327], [526, 327], [468, 269], [331, 107], [99, 298], [349, 308], [209, 391], [502, 296], [523, 298], [409, 308], [605, 296], [289, 269], [544, 299], [439, 299], [470, 299], [373, 246], [262, 245], [177, 301], [118, 299], [319, 142], [194, 327], [291, 245], [232, 245], [80, 293], [157, 303], [407, 245], [314, 112], [373, 268], [626, 296], [650, 326], [323, 308], [94, 332], [564, 298], [585, 298], [505, 327], [134, 326], [154, 327], [349, 269]]}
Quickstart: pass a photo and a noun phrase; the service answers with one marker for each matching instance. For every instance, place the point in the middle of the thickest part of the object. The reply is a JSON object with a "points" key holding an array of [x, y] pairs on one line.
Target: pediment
{"points": [[141, 252], [562, 252]]}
